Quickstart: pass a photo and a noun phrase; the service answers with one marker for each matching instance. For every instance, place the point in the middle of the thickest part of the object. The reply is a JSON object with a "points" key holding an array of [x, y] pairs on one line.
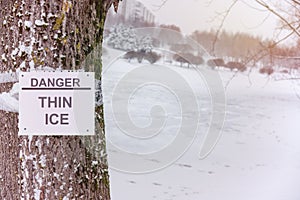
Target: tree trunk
{"points": [[54, 33]]}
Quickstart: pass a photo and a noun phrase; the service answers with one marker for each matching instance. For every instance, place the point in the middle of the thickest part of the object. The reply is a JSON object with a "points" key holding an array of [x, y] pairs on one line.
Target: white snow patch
{"points": [[31, 65], [3, 57], [39, 145], [56, 175], [95, 162], [15, 51], [8, 103], [37, 194], [43, 161], [28, 24], [40, 23], [23, 65], [29, 142], [51, 15], [7, 77], [14, 92], [39, 179], [20, 22], [25, 49]]}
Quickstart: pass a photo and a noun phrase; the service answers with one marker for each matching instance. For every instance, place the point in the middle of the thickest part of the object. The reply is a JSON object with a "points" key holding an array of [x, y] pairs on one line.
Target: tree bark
{"points": [[53, 33]]}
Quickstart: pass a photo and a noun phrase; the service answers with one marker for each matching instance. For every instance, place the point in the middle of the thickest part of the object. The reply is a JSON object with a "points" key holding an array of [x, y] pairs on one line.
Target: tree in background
{"points": [[237, 46], [125, 38], [145, 43], [288, 14], [170, 26], [122, 37]]}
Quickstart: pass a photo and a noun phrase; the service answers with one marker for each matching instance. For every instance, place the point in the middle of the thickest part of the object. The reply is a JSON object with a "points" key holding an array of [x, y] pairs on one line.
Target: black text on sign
{"points": [[56, 103]]}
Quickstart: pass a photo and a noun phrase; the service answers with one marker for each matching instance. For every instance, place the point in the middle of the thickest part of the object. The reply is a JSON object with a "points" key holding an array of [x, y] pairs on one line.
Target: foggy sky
{"points": [[193, 15]]}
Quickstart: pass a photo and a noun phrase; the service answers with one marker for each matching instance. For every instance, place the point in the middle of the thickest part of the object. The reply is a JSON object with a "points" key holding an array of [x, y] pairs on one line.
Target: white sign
{"points": [[56, 103]]}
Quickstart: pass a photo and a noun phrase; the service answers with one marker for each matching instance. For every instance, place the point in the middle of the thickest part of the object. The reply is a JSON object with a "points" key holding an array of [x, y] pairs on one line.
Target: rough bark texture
{"points": [[54, 33]]}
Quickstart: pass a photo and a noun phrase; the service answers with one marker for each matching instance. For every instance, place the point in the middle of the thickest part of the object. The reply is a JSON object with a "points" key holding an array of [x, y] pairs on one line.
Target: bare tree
{"points": [[286, 11], [37, 33]]}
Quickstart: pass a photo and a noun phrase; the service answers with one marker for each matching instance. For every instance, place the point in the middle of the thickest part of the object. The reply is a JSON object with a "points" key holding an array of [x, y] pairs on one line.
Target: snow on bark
{"points": [[57, 34]]}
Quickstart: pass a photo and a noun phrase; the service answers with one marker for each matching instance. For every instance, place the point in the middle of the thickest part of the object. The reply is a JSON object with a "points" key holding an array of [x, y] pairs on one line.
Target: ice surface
{"points": [[257, 157]]}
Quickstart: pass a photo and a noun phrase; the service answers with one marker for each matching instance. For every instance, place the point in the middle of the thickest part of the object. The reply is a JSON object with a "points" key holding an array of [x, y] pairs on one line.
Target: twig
{"points": [[228, 82], [160, 6], [279, 16], [226, 13]]}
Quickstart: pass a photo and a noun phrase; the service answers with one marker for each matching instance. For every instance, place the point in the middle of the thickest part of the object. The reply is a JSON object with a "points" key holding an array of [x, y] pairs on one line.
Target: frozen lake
{"points": [[257, 156]]}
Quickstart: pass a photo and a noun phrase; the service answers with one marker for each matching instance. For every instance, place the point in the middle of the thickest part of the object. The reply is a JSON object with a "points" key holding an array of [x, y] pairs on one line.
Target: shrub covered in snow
{"points": [[236, 65], [145, 43], [195, 60], [216, 62], [188, 58], [266, 70], [141, 55], [284, 71], [152, 57], [122, 37], [181, 59], [125, 38]]}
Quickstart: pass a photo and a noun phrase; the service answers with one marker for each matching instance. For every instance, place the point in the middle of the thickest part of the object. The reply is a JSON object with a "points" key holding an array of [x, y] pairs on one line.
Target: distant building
{"points": [[131, 12]]}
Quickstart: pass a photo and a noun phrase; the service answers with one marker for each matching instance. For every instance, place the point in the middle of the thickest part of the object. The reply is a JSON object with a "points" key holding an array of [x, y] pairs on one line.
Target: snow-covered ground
{"points": [[256, 158]]}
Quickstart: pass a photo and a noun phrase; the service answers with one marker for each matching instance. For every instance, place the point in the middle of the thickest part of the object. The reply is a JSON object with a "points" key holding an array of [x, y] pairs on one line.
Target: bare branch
{"points": [[226, 13], [250, 6], [208, 3], [296, 2], [229, 81], [261, 23], [279, 16], [160, 5]]}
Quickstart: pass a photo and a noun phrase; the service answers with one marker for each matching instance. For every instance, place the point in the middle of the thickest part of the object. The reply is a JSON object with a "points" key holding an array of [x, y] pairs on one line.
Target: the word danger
{"points": [[55, 82]]}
